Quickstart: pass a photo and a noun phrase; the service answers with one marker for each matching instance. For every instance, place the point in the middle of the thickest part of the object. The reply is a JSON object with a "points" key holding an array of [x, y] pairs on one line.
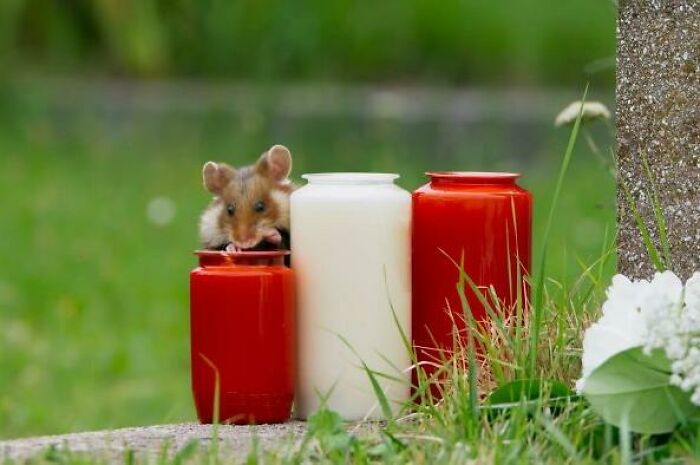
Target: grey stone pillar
{"points": [[658, 116]]}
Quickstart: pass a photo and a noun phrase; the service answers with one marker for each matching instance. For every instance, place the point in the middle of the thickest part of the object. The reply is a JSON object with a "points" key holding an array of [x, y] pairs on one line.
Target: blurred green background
{"points": [[455, 41], [108, 108]]}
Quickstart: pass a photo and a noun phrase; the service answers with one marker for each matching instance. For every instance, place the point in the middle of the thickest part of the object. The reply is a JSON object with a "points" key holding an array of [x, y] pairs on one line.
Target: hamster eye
{"points": [[230, 209], [259, 206]]}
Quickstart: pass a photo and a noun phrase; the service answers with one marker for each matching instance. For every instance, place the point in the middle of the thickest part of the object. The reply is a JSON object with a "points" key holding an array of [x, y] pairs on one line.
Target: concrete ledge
{"points": [[150, 440]]}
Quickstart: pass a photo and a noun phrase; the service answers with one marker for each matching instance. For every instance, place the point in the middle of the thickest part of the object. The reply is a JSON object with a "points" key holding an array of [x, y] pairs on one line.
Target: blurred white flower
{"points": [[160, 211], [591, 111]]}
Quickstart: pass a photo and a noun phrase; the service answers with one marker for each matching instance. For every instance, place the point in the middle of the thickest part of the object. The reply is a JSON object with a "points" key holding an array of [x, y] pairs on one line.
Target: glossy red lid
{"points": [[473, 177], [243, 253], [247, 257]]}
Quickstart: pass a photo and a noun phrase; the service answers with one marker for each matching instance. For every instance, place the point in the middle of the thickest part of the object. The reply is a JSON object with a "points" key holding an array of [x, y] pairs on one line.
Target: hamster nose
{"points": [[245, 241]]}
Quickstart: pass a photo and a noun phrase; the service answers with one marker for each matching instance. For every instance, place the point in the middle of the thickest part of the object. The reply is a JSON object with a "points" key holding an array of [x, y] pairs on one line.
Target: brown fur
{"points": [[264, 181]]}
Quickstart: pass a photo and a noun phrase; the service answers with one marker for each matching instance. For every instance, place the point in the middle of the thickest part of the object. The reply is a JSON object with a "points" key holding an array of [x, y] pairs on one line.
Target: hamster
{"points": [[250, 210]]}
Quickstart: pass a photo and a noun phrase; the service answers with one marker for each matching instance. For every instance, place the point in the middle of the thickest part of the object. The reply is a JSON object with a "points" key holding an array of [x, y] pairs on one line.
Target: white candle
{"points": [[350, 235]]}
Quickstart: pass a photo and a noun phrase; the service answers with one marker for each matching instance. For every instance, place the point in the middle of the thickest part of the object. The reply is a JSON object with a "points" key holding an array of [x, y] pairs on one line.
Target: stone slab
{"points": [[658, 117], [151, 440]]}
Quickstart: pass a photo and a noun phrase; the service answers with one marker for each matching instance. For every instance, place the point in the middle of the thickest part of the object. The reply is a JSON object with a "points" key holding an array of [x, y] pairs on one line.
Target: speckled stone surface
{"points": [[658, 117], [235, 441]]}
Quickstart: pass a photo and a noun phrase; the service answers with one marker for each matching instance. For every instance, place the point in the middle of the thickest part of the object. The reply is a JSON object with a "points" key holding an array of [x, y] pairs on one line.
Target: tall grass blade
{"points": [[186, 452], [658, 214], [214, 450], [472, 368], [643, 230], [493, 315], [559, 437], [625, 443], [402, 332], [376, 387], [537, 309]]}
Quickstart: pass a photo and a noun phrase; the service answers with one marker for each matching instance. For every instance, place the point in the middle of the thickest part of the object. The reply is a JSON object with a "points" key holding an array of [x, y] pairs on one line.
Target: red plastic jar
{"points": [[242, 317], [485, 218]]}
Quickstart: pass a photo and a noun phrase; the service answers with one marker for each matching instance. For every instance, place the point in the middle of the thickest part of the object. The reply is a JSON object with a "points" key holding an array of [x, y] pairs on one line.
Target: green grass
{"points": [[94, 298]]}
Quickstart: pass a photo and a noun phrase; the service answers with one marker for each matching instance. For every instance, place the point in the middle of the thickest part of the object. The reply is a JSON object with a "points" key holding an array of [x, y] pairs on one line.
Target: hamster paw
{"points": [[272, 236]]}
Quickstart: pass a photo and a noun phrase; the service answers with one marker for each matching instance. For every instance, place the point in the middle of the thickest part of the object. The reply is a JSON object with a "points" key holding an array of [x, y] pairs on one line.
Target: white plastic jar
{"points": [[350, 235]]}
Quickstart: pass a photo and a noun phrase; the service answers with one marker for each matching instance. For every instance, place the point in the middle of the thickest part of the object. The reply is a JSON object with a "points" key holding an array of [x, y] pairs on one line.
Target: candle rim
{"points": [[481, 177], [351, 177], [243, 253]]}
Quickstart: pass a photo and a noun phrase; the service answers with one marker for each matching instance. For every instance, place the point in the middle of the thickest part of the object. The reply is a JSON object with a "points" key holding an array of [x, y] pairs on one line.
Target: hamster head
{"points": [[251, 203]]}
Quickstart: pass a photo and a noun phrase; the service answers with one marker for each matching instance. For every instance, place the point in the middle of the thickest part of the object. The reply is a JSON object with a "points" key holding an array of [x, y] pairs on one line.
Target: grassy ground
{"points": [[93, 296]]}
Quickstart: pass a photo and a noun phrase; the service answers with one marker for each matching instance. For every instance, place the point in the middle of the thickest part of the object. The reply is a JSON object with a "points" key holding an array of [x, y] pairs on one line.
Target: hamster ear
{"points": [[216, 176], [276, 163]]}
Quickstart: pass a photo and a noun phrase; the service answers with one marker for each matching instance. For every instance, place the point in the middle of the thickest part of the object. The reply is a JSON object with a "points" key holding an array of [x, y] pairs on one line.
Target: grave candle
{"points": [[242, 327], [481, 222], [351, 256]]}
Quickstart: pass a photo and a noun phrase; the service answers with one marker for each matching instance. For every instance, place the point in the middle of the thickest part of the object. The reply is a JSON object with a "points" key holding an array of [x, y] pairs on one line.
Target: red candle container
{"points": [[484, 219], [242, 331]]}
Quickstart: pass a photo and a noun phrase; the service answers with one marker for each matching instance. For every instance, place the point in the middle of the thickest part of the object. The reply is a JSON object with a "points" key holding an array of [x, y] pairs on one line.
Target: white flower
{"points": [[620, 328], [663, 302], [692, 294], [661, 313], [683, 346], [591, 111]]}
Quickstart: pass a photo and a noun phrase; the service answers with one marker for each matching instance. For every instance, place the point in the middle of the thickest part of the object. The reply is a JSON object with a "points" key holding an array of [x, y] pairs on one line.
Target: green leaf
{"points": [[634, 389], [325, 422], [327, 427], [528, 389]]}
